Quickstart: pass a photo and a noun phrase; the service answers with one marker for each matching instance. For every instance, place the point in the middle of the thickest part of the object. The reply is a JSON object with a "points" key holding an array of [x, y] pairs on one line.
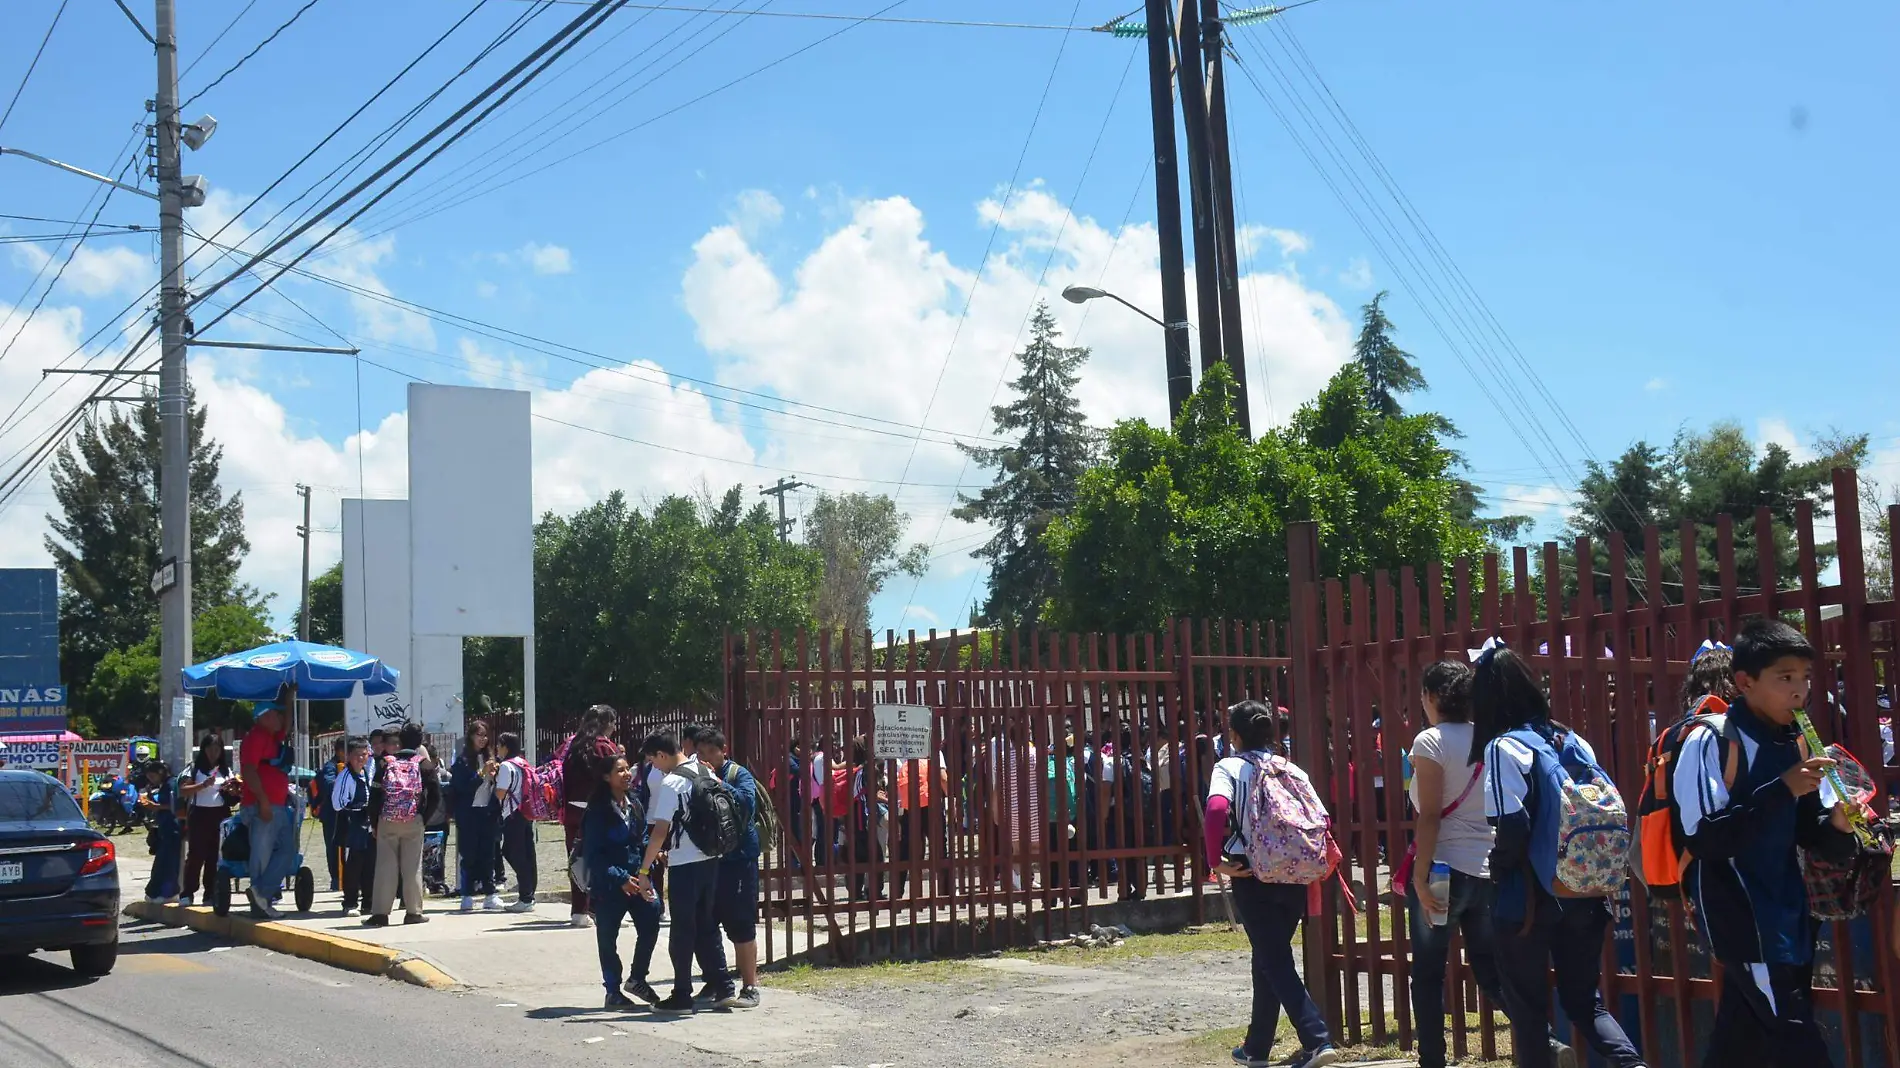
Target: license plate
{"points": [[12, 871]]}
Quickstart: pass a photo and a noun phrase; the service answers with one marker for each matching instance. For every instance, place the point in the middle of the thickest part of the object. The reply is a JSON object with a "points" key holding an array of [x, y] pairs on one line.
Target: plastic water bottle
{"points": [[1440, 886]]}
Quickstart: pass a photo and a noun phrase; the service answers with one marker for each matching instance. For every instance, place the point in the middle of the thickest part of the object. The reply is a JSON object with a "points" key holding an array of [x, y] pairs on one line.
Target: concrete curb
{"points": [[349, 954]]}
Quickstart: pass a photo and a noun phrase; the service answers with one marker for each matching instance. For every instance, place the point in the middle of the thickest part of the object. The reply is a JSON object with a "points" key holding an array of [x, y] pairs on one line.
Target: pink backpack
{"points": [[539, 797], [402, 788], [1287, 831]]}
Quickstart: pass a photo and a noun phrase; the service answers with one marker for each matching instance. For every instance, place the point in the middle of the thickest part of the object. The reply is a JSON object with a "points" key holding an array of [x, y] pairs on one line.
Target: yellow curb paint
{"points": [[349, 954]]}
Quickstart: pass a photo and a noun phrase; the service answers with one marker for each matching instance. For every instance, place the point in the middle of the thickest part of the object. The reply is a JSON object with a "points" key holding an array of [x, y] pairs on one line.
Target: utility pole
{"points": [[1180, 364], [784, 486], [174, 482], [1213, 47], [1193, 86], [303, 628]]}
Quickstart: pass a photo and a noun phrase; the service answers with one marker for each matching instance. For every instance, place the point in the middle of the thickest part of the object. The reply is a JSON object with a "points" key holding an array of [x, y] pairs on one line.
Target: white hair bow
{"points": [[1484, 652]]}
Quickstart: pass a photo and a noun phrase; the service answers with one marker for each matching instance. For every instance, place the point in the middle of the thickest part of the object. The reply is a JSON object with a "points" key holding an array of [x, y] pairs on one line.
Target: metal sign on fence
{"points": [[900, 732]]}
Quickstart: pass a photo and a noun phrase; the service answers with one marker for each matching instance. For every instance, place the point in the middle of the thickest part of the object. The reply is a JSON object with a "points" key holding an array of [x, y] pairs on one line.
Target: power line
{"points": [[71, 222], [33, 66], [246, 58], [814, 15], [235, 19], [70, 253]]}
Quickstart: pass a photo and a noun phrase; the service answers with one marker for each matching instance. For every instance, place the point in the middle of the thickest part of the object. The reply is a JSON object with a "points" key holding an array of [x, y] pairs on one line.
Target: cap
{"points": [[261, 707]]}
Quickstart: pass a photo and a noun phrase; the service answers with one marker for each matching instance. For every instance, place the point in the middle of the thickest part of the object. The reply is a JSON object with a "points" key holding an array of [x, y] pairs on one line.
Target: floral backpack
{"points": [[402, 788], [1593, 826], [1287, 832]]}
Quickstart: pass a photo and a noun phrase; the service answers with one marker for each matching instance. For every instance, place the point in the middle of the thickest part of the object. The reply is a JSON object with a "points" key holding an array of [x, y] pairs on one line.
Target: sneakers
{"points": [[706, 995], [746, 997], [492, 903], [639, 989], [678, 1003], [1313, 1058], [580, 919], [376, 921], [1241, 1056], [185, 900], [1562, 1056], [259, 905], [468, 904], [617, 1000], [414, 918], [521, 906], [349, 911]]}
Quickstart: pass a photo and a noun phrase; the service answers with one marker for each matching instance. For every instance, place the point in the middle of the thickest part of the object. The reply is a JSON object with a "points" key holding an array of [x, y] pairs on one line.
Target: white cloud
{"points": [[488, 369], [1656, 385], [1357, 275], [1250, 240], [487, 290], [546, 259], [1774, 430], [756, 211], [94, 271]]}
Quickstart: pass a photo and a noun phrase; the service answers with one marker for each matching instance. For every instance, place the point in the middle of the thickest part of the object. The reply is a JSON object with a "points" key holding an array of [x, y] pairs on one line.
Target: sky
{"points": [[725, 249]]}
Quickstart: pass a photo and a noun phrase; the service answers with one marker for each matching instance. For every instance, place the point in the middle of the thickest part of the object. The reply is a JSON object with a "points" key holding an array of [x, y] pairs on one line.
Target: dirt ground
{"points": [[1168, 1001]]}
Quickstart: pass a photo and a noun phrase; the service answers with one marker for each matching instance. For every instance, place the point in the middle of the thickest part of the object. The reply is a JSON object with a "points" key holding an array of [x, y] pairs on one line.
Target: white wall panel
{"points": [[471, 511]]}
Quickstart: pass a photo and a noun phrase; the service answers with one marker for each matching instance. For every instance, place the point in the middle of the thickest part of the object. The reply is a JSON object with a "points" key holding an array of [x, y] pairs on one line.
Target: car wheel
{"points": [[305, 890], [95, 961], [220, 893]]}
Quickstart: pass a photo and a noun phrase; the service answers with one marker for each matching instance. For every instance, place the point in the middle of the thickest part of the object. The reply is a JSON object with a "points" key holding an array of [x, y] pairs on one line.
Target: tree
{"points": [[1035, 478], [1698, 479], [856, 535], [1389, 370], [105, 541], [632, 607], [1193, 522], [121, 697], [326, 607]]}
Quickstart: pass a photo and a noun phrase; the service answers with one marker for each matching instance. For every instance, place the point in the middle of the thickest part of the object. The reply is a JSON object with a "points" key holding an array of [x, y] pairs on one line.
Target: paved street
{"points": [[183, 1000]]}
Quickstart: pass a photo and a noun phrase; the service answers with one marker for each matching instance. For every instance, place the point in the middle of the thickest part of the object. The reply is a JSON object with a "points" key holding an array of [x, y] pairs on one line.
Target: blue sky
{"points": [[1677, 213]]}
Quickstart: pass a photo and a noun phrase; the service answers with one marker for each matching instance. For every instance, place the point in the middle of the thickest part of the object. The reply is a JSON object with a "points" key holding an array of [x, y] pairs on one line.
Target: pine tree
{"points": [[105, 542], [1036, 478], [1390, 372]]}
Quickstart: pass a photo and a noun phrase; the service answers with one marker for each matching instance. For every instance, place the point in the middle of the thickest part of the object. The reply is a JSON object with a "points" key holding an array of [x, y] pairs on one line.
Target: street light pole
{"points": [[174, 482]]}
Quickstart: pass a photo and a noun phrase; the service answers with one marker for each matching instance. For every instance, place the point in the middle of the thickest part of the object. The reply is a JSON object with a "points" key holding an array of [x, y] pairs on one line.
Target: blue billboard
{"points": [[31, 695]]}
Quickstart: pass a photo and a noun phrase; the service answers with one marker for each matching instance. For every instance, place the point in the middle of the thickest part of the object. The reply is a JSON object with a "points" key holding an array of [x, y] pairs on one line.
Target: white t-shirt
{"points": [[672, 792], [1233, 780], [211, 796], [508, 778], [1464, 838]]}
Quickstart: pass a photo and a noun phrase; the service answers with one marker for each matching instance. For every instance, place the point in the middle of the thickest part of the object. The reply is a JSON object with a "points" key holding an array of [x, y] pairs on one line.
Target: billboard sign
{"points": [[40, 754], [32, 698]]}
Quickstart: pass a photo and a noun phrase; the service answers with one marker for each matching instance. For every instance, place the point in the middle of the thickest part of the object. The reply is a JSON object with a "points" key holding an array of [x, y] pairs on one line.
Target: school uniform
{"points": [[613, 841], [1536, 931], [355, 845], [1745, 881]]}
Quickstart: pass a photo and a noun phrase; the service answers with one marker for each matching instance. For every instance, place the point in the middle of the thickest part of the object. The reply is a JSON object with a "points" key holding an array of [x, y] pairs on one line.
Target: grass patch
{"points": [[1215, 1047], [808, 978]]}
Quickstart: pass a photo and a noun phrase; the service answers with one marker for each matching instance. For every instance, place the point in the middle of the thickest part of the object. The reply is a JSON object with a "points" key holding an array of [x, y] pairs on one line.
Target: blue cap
{"points": [[261, 707]]}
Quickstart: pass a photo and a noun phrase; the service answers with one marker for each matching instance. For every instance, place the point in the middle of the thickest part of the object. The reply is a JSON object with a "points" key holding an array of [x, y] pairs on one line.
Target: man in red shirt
{"points": [[264, 761]]}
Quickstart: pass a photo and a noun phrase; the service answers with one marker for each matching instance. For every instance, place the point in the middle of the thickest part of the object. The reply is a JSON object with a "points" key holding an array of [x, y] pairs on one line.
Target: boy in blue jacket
{"points": [[1749, 795]]}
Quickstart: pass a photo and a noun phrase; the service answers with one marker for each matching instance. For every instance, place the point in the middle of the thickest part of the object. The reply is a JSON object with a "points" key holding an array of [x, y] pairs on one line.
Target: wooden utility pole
{"points": [[1213, 48], [1180, 364], [1190, 76], [784, 486]]}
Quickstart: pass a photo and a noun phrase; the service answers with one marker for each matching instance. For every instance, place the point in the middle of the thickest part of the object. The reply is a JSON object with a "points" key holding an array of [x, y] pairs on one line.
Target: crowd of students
{"points": [[1498, 858]]}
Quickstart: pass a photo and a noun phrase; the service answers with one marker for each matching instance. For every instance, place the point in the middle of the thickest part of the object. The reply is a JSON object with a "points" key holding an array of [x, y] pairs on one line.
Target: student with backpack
{"points": [[736, 893], [349, 800], [477, 818], [1266, 829], [401, 795], [1561, 850], [693, 817], [1748, 797], [513, 776], [613, 841]]}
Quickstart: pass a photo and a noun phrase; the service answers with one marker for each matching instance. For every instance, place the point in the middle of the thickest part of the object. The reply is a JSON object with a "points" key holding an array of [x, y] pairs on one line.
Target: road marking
{"points": [[596, 1038], [160, 964]]}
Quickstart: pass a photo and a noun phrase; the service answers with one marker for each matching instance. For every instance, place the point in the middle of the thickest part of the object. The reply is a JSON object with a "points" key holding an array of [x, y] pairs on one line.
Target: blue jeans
{"points": [[610, 907], [1567, 937], [694, 896], [477, 835], [1271, 915], [1469, 911], [274, 854]]}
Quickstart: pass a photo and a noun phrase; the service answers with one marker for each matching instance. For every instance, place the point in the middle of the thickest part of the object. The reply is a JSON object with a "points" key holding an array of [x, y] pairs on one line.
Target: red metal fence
{"points": [[1013, 826], [1360, 645]]}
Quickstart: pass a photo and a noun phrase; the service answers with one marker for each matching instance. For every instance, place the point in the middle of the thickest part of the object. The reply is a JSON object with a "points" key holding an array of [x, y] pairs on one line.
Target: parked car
{"points": [[59, 877]]}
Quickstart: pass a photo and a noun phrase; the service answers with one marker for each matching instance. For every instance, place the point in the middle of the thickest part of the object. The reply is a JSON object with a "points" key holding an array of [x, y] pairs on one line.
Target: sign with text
{"points": [[41, 754], [90, 764], [900, 732], [32, 699]]}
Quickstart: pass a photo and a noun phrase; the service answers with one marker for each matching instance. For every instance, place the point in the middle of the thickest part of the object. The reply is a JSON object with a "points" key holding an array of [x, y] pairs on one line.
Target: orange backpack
{"points": [[1658, 858]]}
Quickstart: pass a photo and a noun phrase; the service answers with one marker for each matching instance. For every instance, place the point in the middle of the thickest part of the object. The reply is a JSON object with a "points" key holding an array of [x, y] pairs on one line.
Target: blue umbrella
{"points": [[320, 673]]}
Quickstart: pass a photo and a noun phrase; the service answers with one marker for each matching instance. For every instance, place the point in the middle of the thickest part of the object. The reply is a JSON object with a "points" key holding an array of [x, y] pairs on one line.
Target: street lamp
{"points": [[1084, 294]]}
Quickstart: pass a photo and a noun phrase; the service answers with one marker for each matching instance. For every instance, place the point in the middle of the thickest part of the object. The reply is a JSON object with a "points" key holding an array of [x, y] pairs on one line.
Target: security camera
{"points": [[192, 190], [196, 134]]}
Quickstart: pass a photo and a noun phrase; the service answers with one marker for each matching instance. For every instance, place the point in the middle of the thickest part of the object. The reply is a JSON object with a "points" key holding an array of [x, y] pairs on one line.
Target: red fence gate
{"points": [[1007, 829], [1360, 646]]}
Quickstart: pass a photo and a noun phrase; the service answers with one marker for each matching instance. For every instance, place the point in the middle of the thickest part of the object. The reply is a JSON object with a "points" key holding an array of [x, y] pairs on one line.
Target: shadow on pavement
{"points": [[37, 975]]}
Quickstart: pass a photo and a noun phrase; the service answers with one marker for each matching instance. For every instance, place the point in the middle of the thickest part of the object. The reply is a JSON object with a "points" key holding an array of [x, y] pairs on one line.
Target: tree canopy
{"points": [[856, 538], [1036, 477], [105, 543], [1192, 522], [1700, 477]]}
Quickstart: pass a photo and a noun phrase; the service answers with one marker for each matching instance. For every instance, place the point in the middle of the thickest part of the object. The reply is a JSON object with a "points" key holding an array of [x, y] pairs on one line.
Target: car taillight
{"points": [[99, 856]]}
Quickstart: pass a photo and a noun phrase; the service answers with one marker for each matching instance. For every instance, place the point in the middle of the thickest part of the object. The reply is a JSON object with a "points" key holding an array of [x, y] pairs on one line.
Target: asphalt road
{"points": [[179, 999]]}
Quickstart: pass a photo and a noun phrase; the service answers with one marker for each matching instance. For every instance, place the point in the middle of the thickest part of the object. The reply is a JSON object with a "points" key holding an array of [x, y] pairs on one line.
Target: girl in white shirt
{"points": [[203, 791]]}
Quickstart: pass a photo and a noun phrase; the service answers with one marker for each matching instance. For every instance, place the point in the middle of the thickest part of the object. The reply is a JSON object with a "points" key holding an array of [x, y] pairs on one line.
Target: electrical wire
{"points": [[206, 50], [70, 253], [73, 222], [33, 66], [246, 58], [967, 23]]}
